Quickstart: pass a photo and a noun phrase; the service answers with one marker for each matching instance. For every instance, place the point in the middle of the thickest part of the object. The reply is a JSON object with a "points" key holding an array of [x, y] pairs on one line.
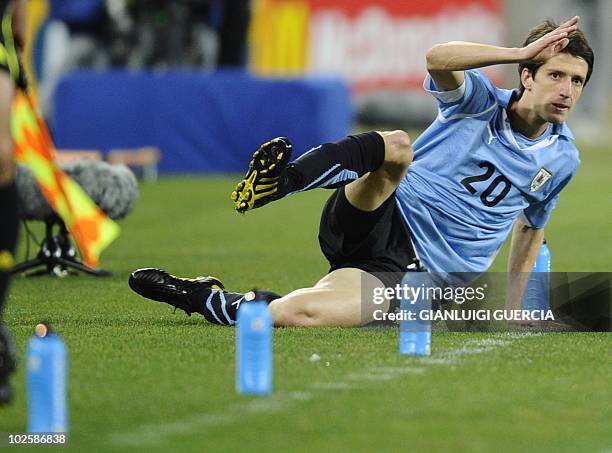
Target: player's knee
{"points": [[297, 313], [294, 318], [398, 149]]}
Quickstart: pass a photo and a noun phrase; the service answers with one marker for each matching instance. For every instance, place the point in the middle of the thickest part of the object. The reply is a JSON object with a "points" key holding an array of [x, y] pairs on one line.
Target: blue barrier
{"points": [[201, 121]]}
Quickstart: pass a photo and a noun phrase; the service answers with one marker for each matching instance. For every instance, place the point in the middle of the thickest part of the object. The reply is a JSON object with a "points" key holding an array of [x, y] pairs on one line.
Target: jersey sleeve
{"points": [[537, 214], [476, 95]]}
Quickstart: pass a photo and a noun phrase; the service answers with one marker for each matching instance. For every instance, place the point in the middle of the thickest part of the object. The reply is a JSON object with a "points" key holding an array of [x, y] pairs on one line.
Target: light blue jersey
{"points": [[472, 176]]}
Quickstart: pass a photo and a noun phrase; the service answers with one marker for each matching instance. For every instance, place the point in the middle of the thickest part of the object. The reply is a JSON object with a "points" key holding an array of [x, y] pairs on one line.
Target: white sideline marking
{"points": [[155, 433], [372, 376], [402, 370], [280, 401], [301, 396], [471, 347], [384, 373], [336, 386]]}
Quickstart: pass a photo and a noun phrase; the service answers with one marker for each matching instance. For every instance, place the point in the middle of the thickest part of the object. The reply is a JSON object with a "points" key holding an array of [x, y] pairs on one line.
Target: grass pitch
{"points": [[142, 377]]}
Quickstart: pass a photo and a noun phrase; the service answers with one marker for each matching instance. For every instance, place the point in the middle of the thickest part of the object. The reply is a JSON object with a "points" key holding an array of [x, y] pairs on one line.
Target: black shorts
{"points": [[377, 242]]}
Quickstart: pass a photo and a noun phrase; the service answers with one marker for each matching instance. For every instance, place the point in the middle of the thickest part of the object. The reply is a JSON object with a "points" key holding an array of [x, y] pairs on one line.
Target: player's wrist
{"points": [[517, 55]]}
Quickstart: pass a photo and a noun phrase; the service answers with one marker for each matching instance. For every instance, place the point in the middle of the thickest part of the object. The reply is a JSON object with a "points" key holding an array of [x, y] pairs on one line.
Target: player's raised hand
{"points": [[551, 43]]}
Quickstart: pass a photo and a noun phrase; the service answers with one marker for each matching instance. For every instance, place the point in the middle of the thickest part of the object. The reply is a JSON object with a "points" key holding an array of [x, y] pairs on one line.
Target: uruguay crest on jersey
{"points": [[540, 179]]}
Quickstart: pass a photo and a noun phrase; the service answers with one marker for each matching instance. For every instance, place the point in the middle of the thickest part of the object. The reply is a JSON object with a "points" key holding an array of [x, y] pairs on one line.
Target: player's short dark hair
{"points": [[578, 47]]}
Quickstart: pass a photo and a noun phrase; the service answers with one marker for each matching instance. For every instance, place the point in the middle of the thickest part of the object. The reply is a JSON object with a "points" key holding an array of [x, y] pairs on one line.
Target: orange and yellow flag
{"points": [[91, 229]]}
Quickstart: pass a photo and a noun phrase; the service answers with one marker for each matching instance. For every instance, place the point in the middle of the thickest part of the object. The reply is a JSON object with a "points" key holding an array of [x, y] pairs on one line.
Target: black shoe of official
{"points": [[8, 364], [262, 182], [183, 293]]}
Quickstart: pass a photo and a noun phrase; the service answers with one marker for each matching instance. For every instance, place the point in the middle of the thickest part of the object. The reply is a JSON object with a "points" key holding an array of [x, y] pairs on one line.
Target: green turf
{"points": [[144, 378]]}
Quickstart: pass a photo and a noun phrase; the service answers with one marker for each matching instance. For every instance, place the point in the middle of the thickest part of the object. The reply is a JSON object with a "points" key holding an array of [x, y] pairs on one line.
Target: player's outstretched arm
{"points": [[446, 62], [524, 247]]}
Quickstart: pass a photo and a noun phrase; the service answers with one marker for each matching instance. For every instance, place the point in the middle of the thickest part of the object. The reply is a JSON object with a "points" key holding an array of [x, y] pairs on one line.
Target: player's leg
{"points": [[8, 227], [204, 295], [356, 243], [358, 223], [361, 217], [373, 189], [335, 300], [341, 298], [331, 165]]}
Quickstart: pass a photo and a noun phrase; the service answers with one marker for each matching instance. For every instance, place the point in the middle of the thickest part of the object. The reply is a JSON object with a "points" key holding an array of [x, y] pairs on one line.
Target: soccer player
{"points": [[494, 160], [11, 75]]}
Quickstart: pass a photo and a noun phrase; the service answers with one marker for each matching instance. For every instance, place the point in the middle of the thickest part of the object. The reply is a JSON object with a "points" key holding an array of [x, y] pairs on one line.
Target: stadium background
{"points": [[142, 377], [309, 70]]}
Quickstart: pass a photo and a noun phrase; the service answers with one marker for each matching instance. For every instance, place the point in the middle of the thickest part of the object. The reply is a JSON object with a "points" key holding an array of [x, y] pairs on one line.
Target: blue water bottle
{"points": [[537, 295], [254, 348], [46, 362], [415, 327]]}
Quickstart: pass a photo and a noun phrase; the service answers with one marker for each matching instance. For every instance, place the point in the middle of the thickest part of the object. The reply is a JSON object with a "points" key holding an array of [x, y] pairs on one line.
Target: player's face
{"points": [[557, 86]]}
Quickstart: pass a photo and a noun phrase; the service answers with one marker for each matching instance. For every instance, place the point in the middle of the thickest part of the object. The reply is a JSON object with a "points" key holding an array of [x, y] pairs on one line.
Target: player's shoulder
{"points": [[479, 80]]}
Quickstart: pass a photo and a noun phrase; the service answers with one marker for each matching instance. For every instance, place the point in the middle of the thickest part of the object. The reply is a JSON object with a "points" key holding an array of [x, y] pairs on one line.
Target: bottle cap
{"points": [[43, 329]]}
